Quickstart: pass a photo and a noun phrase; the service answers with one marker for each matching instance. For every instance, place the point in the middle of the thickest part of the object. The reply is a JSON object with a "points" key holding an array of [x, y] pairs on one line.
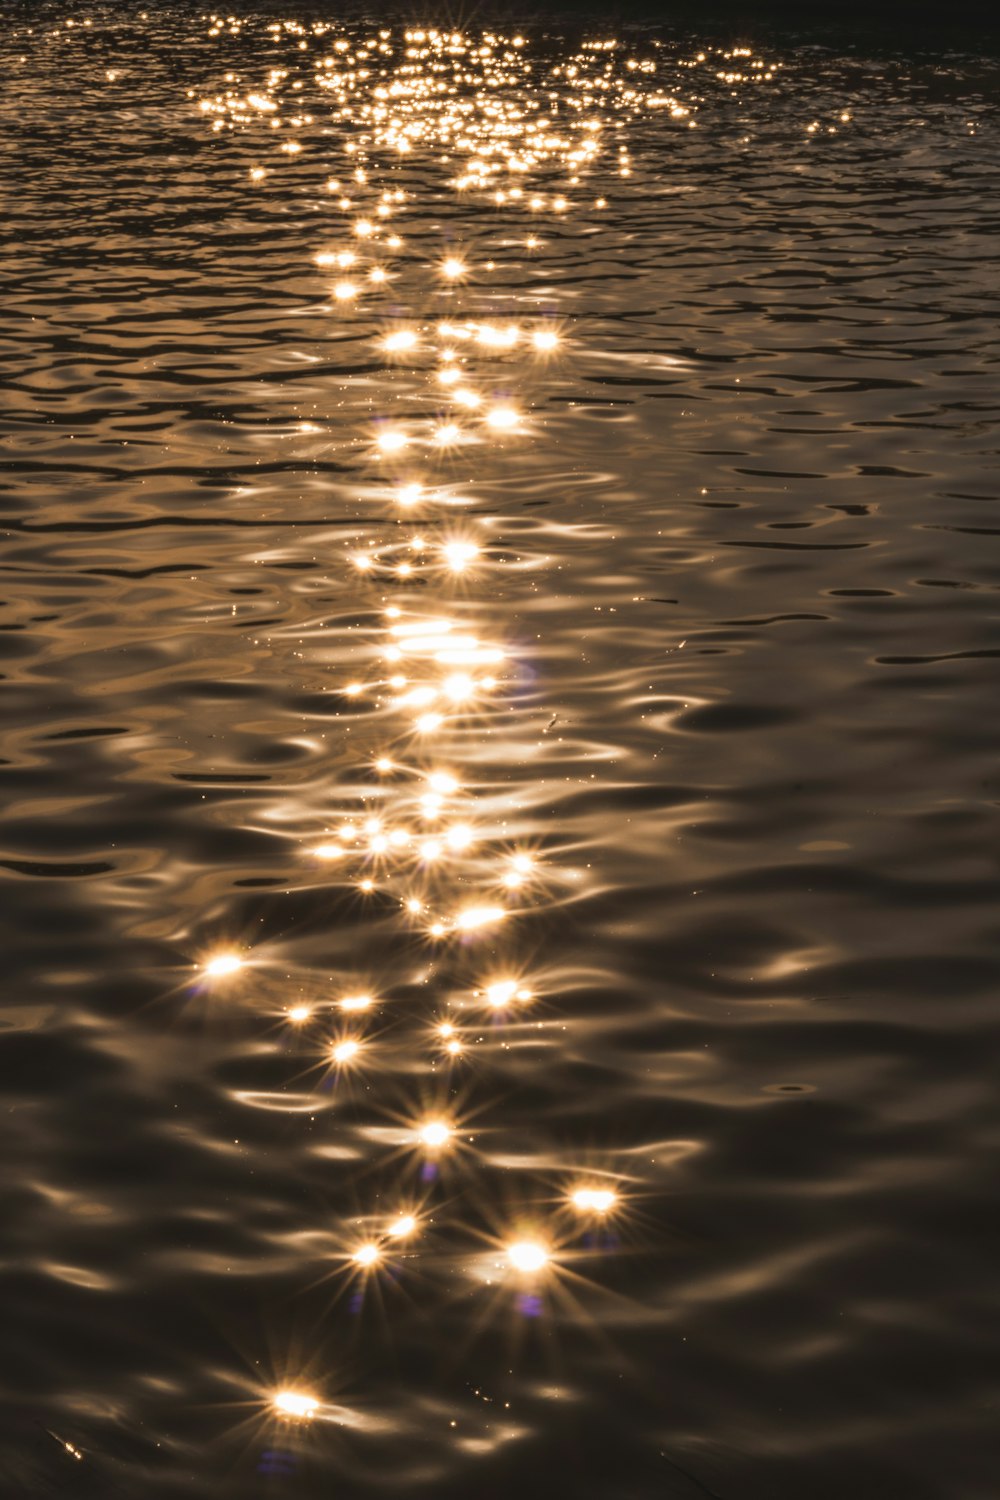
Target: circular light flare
{"points": [[295, 1404], [400, 341], [474, 917], [502, 418], [453, 269], [527, 1256], [345, 1051], [401, 1227], [458, 555], [222, 965], [355, 1002], [299, 1013], [501, 993], [434, 1134], [327, 851], [391, 440], [366, 1256], [594, 1200]]}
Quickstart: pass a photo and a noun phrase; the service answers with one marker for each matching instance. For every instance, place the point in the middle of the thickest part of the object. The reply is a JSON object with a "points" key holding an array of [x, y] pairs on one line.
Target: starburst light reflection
{"points": [[484, 137]]}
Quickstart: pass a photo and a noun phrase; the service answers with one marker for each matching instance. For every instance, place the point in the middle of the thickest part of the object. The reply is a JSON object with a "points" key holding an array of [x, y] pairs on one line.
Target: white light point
{"points": [[299, 1014], [222, 965], [354, 1002], [399, 1229], [295, 1404], [594, 1200], [458, 555], [527, 1255], [501, 993], [458, 687], [502, 418], [409, 494], [435, 1133], [344, 291], [453, 268], [399, 341], [367, 1255], [327, 851], [391, 440], [544, 339], [345, 1052], [383, 765], [474, 917]]}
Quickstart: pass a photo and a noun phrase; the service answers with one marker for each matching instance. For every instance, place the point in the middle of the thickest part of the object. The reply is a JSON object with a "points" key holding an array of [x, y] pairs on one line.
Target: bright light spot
{"points": [[502, 992], [458, 555], [299, 1013], [454, 1047], [327, 851], [295, 1404], [502, 418], [343, 1052], [392, 440], [344, 291], [427, 723], [527, 1255], [401, 1227], [409, 494], [223, 964], [458, 687], [474, 917], [544, 339], [403, 338], [459, 837], [354, 1002], [435, 1133], [442, 781], [383, 764], [367, 1255], [453, 268], [594, 1200]]}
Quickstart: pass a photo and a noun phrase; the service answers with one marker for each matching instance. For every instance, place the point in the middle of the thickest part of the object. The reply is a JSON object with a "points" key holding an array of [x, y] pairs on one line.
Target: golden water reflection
{"points": [[452, 379]]}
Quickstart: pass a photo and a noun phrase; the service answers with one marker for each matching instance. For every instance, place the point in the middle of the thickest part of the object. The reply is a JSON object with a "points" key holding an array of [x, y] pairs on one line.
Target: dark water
{"points": [[712, 751]]}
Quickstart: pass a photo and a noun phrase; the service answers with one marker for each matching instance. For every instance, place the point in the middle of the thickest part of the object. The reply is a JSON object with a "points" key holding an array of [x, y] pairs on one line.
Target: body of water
{"points": [[498, 736]]}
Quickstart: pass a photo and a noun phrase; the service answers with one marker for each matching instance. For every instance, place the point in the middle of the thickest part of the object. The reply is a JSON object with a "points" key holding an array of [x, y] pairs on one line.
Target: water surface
{"points": [[578, 640]]}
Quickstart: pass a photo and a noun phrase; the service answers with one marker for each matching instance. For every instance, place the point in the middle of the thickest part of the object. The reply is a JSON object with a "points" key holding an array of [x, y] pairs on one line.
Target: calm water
{"points": [[499, 744]]}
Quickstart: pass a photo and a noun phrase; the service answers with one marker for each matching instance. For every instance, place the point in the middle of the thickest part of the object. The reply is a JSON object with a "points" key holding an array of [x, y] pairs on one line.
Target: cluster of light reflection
{"points": [[526, 142]]}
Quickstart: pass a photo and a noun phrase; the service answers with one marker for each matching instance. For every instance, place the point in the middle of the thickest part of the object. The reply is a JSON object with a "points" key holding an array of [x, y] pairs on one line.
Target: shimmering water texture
{"points": [[499, 732]]}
